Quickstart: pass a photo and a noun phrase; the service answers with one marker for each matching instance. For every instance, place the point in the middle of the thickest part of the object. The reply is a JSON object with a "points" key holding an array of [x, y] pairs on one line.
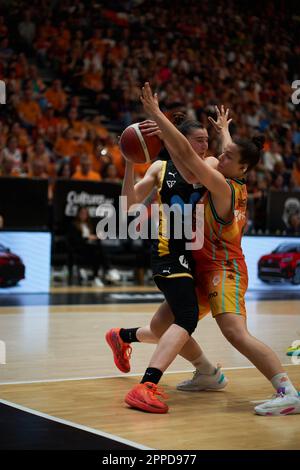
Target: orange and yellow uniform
{"points": [[220, 270]]}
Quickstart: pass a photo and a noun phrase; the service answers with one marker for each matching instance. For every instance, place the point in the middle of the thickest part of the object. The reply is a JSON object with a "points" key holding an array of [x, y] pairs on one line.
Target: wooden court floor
{"points": [[59, 364]]}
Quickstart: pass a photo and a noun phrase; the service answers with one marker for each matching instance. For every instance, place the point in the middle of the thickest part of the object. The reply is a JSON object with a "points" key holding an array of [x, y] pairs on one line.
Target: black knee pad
{"points": [[188, 321], [180, 294]]}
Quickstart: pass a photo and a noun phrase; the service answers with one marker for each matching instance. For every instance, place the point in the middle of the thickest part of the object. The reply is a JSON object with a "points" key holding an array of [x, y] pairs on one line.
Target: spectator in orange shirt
{"points": [[49, 124], [21, 135], [85, 172], [66, 146], [92, 79], [80, 127], [56, 96], [81, 149], [85, 147], [28, 110], [98, 128], [61, 42]]}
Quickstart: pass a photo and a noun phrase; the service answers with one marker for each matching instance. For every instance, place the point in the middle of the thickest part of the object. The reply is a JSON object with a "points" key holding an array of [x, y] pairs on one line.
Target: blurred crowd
{"points": [[73, 71]]}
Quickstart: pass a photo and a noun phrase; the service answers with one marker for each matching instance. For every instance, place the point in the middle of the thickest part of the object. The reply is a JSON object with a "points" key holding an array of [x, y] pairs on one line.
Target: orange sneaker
{"points": [[121, 350], [144, 397]]}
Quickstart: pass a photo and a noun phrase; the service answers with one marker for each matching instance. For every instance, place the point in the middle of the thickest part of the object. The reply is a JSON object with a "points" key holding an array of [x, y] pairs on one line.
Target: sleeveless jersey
{"points": [[173, 189], [222, 240]]}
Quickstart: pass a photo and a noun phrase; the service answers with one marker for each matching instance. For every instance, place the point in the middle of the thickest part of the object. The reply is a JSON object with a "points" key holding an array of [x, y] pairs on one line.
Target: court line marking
{"points": [[70, 379], [113, 304], [20, 308], [77, 426]]}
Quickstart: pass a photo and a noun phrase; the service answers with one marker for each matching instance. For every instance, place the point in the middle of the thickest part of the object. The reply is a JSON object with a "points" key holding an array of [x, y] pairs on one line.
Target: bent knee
{"points": [[235, 336], [158, 328], [188, 324]]}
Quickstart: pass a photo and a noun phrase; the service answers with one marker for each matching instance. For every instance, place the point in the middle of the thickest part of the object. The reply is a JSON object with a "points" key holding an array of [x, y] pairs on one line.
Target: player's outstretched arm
{"points": [[180, 149]]}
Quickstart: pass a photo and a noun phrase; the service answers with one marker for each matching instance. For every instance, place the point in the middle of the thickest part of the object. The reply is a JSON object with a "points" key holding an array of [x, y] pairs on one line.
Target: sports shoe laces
{"points": [[197, 372], [280, 393], [155, 389], [127, 350]]}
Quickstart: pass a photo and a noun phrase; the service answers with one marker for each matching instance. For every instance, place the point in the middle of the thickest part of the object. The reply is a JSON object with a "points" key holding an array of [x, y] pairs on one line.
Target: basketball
{"points": [[137, 147]]}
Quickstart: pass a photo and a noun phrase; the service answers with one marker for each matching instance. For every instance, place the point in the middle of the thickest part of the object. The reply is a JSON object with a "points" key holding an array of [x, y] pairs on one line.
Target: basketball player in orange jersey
{"points": [[221, 272], [172, 273]]}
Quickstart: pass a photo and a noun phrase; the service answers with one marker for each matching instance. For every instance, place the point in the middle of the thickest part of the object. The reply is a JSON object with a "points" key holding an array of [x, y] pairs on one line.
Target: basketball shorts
{"points": [[172, 265], [221, 291]]}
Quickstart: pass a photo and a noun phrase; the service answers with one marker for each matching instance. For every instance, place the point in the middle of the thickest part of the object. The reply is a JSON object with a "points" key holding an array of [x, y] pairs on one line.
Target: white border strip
{"points": [[142, 141], [70, 379], [77, 426]]}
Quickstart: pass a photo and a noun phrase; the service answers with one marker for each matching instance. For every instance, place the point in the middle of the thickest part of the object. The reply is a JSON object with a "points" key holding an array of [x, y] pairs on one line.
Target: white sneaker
{"points": [[113, 275], [282, 404], [199, 382], [97, 282]]}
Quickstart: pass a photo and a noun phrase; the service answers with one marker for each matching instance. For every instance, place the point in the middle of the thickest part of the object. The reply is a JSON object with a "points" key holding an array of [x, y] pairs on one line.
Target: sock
{"points": [[152, 375], [128, 335], [203, 365], [282, 381]]}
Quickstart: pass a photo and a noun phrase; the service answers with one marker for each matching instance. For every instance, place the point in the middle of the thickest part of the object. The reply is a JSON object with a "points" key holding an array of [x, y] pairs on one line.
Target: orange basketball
{"points": [[138, 147]]}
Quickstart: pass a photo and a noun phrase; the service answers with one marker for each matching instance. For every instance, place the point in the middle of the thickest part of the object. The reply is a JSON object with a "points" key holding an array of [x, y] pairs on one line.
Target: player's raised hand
{"points": [[150, 101], [150, 128], [222, 122]]}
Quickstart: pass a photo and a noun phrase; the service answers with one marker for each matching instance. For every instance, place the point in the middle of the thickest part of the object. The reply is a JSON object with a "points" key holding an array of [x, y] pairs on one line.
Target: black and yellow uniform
{"points": [[171, 263], [169, 256]]}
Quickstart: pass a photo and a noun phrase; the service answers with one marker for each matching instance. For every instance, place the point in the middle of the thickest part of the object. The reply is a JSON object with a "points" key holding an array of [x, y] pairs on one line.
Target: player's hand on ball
{"points": [[150, 101], [150, 128]]}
